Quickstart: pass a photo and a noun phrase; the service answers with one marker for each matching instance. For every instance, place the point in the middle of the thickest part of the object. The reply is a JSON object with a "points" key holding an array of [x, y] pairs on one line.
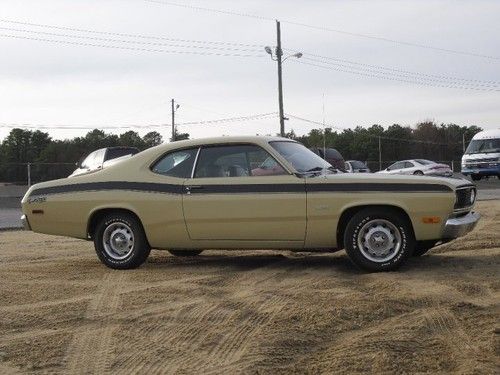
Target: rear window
{"points": [[424, 162], [114, 153], [357, 164]]}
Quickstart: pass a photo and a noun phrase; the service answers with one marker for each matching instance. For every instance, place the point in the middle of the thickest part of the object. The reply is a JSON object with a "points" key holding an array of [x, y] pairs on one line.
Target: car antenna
{"points": [[324, 137]]}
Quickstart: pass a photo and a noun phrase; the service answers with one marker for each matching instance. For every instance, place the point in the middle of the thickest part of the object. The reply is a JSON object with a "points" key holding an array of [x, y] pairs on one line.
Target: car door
{"points": [[396, 168], [410, 167], [234, 196]]}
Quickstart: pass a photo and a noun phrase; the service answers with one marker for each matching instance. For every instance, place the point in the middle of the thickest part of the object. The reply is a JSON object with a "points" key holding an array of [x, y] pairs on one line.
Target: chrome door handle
{"points": [[193, 187]]}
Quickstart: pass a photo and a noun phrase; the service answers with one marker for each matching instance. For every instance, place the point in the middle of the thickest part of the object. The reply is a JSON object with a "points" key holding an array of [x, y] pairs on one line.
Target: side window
{"points": [[99, 158], [397, 165], [176, 164], [89, 160], [409, 165], [236, 161]]}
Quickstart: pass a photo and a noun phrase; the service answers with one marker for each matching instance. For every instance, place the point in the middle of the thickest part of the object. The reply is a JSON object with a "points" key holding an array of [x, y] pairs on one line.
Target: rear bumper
{"points": [[25, 222], [459, 226]]}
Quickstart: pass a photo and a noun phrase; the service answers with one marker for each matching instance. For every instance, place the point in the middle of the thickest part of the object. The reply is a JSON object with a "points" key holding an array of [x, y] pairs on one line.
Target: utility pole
{"points": [[279, 58], [463, 142], [379, 154], [279, 54], [173, 120]]}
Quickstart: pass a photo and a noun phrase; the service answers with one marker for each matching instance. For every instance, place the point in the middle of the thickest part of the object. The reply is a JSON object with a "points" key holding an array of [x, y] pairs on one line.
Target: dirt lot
{"points": [[253, 312]]}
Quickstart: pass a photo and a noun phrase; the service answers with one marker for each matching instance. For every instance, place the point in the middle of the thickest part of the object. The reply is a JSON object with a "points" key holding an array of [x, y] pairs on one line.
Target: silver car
{"points": [[419, 167], [356, 166]]}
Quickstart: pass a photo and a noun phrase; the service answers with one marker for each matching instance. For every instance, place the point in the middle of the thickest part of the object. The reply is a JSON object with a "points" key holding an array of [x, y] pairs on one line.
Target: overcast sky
{"points": [[65, 84]]}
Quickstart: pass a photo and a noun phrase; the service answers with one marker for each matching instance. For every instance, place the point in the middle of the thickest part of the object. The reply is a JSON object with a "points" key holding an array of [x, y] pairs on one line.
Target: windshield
{"points": [[301, 158], [478, 146]]}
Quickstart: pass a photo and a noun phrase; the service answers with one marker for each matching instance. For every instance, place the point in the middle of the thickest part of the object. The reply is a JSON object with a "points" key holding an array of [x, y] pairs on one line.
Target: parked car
{"points": [[419, 167], [332, 156], [188, 196], [482, 157], [356, 166], [103, 158]]}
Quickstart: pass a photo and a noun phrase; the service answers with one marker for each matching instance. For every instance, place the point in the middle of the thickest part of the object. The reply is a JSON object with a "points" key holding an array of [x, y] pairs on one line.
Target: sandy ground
{"points": [[61, 311]]}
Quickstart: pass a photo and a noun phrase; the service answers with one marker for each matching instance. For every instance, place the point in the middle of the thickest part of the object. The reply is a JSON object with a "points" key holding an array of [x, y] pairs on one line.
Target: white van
{"points": [[482, 157]]}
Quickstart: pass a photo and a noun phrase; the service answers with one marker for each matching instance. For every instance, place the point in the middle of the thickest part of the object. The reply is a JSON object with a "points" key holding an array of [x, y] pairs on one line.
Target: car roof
{"points": [[221, 140]]}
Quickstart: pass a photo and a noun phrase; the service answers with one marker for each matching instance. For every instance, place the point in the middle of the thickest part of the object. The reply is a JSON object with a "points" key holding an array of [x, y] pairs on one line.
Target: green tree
{"points": [[152, 139]]}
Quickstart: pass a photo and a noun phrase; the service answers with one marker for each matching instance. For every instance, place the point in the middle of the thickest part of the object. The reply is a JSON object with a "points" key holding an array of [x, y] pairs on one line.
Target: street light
{"points": [[278, 53]]}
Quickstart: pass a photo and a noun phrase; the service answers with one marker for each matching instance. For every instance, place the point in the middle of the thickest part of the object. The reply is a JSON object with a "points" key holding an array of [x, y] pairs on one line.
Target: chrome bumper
{"points": [[459, 226], [26, 224]]}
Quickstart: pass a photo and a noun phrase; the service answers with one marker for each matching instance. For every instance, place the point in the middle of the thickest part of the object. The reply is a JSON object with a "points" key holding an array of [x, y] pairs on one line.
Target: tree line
{"points": [[427, 140]]}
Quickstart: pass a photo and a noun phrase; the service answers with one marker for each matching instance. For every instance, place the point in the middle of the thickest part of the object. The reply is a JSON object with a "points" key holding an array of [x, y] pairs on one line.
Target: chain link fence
{"points": [[32, 173], [376, 165]]}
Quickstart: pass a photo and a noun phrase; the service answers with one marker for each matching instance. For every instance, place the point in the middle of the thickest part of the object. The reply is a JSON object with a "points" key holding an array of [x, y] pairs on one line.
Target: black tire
{"points": [[398, 227], [136, 251], [418, 173], [185, 253], [475, 177], [422, 247]]}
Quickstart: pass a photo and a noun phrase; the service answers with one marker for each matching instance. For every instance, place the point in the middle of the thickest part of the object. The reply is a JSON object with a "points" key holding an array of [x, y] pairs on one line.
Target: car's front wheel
{"points": [[379, 239], [185, 253], [120, 241]]}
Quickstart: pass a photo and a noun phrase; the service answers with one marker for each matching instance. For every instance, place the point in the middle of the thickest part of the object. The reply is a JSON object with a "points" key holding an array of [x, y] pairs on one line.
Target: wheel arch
{"points": [[97, 214], [349, 212]]}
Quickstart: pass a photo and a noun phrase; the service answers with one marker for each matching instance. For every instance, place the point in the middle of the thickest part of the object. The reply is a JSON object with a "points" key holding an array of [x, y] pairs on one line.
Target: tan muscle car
{"points": [[249, 193]]}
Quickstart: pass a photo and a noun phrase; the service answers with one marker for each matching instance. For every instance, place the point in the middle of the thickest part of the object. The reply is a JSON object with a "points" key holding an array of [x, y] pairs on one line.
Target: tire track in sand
{"points": [[89, 350]]}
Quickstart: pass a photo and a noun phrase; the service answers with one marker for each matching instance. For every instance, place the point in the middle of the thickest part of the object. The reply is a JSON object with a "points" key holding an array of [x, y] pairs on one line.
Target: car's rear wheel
{"points": [[378, 239], [185, 253], [422, 247], [475, 177], [418, 173], [120, 241]]}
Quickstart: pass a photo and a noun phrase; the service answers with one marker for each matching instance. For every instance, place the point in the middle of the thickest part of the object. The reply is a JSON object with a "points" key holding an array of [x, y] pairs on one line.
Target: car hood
{"points": [[452, 183]]}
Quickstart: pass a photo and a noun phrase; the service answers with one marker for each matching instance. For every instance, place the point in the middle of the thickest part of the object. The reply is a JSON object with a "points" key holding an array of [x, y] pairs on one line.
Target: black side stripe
{"points": [[378, 187], [111, 185], [240, 188]]}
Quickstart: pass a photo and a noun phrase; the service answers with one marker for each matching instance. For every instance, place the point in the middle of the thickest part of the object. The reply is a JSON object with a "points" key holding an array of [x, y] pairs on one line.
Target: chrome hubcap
{"points": [[379, 240], [118, 240]]}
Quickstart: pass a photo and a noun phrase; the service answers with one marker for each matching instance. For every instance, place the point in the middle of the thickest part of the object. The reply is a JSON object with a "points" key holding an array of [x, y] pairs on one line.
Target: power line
{"points": [[138, 36], [136, 126], [131, 48], [212, 10], [413, 81], [405, 76], [451, 78], [323, 28], [225, 48]]}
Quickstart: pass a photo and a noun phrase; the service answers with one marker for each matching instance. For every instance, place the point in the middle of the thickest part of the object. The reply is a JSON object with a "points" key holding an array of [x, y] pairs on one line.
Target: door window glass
{"points": [[408, 165], [398, 165], [236, 161], [176, 164]]}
